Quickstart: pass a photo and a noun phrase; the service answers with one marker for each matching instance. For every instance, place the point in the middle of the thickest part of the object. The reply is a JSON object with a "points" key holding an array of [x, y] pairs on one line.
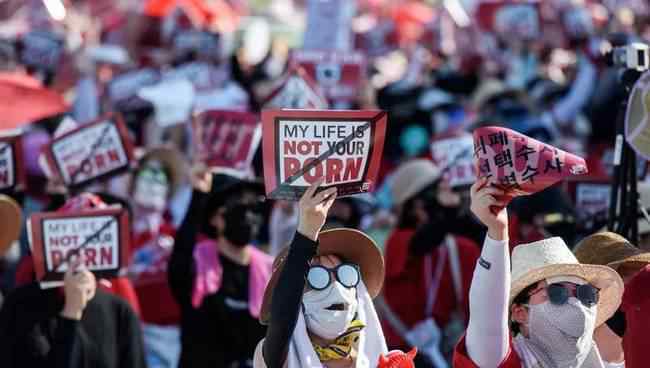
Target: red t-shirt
{"points": [[462, 360], [636, 305], [156, 300], [405, 287]]}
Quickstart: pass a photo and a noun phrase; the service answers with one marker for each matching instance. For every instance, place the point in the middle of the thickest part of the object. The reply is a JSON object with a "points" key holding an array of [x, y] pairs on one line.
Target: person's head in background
{"points": [[235, 210], [159, 174], [613, 250], [421, 197]]}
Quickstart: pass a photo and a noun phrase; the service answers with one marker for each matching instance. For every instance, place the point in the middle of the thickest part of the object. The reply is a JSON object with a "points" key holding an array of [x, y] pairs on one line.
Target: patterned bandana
{"points": [[342, 346]]}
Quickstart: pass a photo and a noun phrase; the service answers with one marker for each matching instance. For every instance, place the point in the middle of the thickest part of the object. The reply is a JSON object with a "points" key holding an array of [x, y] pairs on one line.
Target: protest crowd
{"points": [[324, 183]]}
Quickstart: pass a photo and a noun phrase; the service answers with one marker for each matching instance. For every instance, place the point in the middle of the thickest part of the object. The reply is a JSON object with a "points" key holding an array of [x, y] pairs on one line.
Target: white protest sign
{"points": [[99, 235], [90, 152], [301, 146], [455, 155]]}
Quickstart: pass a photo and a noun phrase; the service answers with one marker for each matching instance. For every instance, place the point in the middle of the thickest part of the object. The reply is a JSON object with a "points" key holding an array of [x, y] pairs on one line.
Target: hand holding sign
{"points": [[484, 201], [313, 209], [519, 164], [79, 286]]}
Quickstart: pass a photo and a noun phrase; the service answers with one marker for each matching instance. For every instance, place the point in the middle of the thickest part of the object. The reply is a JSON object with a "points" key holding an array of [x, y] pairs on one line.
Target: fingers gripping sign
{"points": [[79, 286], [489, 209], [313, 207]]}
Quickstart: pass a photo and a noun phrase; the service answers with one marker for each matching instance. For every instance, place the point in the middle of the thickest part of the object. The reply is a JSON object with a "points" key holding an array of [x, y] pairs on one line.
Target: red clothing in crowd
{"points": [[636, 305], [462, 360], [405, 288], [158, 305]]}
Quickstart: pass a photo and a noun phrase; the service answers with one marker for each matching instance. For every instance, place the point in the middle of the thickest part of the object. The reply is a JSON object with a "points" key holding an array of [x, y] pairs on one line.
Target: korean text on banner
{"points": [[519, 164], [300, 146]]}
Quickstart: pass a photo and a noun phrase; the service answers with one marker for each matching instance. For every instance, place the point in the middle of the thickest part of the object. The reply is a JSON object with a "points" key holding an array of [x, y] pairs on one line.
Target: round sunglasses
{"points": [[320, 277], [559, 293]]}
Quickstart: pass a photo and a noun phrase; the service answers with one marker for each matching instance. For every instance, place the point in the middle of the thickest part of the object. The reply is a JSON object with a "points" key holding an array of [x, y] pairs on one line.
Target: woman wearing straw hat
{"points": [[623, 337], [553, 302], [318, 303]]}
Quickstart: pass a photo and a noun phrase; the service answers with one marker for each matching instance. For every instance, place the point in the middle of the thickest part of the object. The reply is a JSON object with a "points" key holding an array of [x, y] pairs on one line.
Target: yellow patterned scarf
{"points": [[342, 346]]}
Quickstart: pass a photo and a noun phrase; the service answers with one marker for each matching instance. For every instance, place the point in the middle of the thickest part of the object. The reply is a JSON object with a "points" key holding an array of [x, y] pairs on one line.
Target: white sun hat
{"points": [[552, 259]]}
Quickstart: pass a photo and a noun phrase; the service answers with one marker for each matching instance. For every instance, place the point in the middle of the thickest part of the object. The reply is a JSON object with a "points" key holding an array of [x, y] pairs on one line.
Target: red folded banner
{"points": [[519, 164]]}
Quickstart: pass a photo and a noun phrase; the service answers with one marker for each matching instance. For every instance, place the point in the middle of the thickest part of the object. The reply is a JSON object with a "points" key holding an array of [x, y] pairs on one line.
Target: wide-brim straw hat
{"points": [[11, 216], [609, 249], [348, 244], [551, 258], [411, 178]]}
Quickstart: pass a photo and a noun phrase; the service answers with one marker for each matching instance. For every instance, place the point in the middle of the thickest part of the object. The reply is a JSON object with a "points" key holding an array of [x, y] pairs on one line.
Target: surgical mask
{"points": [[562, 333], [151, 189], [242, 224], [325, 323]]}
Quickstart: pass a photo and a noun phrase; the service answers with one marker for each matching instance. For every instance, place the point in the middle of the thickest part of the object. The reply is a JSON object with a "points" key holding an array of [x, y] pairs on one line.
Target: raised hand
{"points": [[489, 209], [201, 178], [313, 209], [79, 287]]}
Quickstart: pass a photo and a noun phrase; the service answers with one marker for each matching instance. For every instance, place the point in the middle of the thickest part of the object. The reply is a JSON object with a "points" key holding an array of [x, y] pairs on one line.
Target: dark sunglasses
{"points": [[559, 293], [320, 277]]}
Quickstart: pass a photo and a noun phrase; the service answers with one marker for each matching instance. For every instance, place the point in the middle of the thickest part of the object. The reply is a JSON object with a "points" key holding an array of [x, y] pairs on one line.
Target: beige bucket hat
{"points": [[551, 258], [610, 249], [412, 177]]}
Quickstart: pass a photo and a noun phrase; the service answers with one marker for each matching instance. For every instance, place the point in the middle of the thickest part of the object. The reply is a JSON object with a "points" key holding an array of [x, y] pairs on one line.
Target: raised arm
{"points": [[287, 295], [180, 271], [487, 338]]}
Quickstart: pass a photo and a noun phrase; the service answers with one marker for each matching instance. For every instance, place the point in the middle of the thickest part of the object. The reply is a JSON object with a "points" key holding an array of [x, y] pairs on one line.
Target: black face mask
{"points": [[617, 323], [242, 224]]}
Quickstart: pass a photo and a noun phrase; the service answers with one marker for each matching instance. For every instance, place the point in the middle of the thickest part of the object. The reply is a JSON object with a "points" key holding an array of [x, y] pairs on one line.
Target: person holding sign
{"points": [[318, 304], [553, 302], [79, 325], [216, 276]]}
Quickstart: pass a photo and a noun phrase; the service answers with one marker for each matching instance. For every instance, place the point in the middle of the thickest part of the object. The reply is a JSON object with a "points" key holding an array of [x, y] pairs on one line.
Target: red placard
{"points": [[91, 152], [12, 171], [102, 236], [226, 138], [519, 164], [300, 146], [339, 74]]}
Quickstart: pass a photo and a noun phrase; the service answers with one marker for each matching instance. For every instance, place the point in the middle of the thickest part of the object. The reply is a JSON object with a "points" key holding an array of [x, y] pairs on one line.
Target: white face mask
{"points": [[563, 334], [151, 190], [329, 324]]}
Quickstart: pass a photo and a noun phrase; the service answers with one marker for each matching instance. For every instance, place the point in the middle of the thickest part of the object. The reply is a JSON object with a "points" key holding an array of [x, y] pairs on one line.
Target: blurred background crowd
{"points": [[439, 68]]}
